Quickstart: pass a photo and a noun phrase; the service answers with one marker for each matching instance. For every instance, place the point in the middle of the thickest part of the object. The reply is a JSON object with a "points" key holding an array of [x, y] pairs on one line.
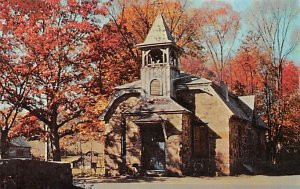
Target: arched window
{"points": [[156, 56], [155, 87]]}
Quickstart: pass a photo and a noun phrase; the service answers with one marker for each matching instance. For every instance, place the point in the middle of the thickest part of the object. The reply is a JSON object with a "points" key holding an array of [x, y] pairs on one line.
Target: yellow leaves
{"points": [[102, 102]]}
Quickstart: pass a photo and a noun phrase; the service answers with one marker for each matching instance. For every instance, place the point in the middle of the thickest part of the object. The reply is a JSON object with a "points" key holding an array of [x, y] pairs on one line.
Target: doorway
{"points": [[153, 147]]}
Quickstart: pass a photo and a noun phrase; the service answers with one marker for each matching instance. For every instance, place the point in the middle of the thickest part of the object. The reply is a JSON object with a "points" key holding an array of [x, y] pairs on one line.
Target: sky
{"points": [[242, 6]]}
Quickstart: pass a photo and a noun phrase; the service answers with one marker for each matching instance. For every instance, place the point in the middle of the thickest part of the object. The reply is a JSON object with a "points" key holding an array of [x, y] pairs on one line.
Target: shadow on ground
{"points": [[119, 180], [242, 181], [90, 182]]}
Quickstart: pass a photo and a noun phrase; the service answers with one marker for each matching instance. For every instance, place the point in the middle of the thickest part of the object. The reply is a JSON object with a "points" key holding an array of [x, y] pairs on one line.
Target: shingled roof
{"points": [[241, 106], [156, 104]]}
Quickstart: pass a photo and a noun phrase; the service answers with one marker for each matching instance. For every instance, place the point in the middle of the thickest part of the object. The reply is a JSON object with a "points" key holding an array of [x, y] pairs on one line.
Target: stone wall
{"points": [[247, 146], [30, 174], [186, 150], [210, 108], [114, 162], [173, 159], [196, 166], [133, 144]]}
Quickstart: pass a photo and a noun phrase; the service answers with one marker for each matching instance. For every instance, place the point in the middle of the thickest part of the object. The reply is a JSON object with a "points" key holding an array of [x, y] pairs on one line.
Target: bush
{"points": [[286, 167]]}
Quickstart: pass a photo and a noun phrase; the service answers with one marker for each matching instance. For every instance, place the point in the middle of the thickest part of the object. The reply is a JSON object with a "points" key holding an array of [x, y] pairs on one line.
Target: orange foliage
{"points": [[220, 30], [112, 63], [243, 76], [137, 17], [290, 77], [291, 102], [29, 127], [48, 65], [195, 66]]}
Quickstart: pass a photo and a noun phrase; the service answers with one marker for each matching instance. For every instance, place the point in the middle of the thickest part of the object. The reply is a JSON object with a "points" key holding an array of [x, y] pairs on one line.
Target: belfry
{"points": [[160, 60]]}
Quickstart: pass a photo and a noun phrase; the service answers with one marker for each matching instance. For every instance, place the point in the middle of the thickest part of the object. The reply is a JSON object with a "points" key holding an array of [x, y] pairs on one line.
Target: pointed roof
{"points": [[159, 34]]}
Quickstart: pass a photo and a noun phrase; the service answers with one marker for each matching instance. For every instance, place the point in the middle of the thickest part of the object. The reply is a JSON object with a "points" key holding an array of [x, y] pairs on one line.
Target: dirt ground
{"points": [[240, 182]]}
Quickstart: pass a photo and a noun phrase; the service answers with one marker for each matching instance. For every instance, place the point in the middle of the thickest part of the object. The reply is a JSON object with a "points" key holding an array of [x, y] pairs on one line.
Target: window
{"points": [[200, 141], [155, 88]]}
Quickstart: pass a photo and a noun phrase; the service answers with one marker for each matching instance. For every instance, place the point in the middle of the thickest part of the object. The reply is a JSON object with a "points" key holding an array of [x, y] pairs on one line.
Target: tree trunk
{"points": [[56, 146], [274, 154], [4, 145]]}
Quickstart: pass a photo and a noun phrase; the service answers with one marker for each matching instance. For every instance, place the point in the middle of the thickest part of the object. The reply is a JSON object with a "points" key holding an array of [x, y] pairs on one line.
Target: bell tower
{"points": [[160, 59]]}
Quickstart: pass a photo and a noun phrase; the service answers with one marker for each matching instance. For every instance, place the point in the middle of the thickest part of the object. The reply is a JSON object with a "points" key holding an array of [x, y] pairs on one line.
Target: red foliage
{"points": [[243, 75], [112, 63], [290, 77], [29, 127], [51, 56], [195, 66]]}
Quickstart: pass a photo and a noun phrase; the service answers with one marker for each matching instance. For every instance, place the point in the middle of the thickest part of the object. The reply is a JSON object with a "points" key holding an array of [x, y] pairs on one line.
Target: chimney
{"points": [[224, 90]]}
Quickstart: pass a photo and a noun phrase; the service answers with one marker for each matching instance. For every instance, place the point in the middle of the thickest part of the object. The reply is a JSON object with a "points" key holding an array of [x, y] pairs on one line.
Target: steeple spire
{"points": [[158, 34]]}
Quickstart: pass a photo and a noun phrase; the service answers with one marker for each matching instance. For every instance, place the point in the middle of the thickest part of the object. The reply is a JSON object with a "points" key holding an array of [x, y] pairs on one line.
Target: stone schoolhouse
{"points": [[174, 123]]}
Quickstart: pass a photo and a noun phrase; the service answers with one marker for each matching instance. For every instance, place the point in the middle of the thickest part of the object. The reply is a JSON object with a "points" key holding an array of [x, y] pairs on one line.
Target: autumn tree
{"points": [[273, 21], [220, 31], [112, 62], [111, 65], [290, 135], [47, 62], [196, 66], [15, 123], [244, 70], [137, 18], [9, 119], [290, 106], [9, 113]]}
